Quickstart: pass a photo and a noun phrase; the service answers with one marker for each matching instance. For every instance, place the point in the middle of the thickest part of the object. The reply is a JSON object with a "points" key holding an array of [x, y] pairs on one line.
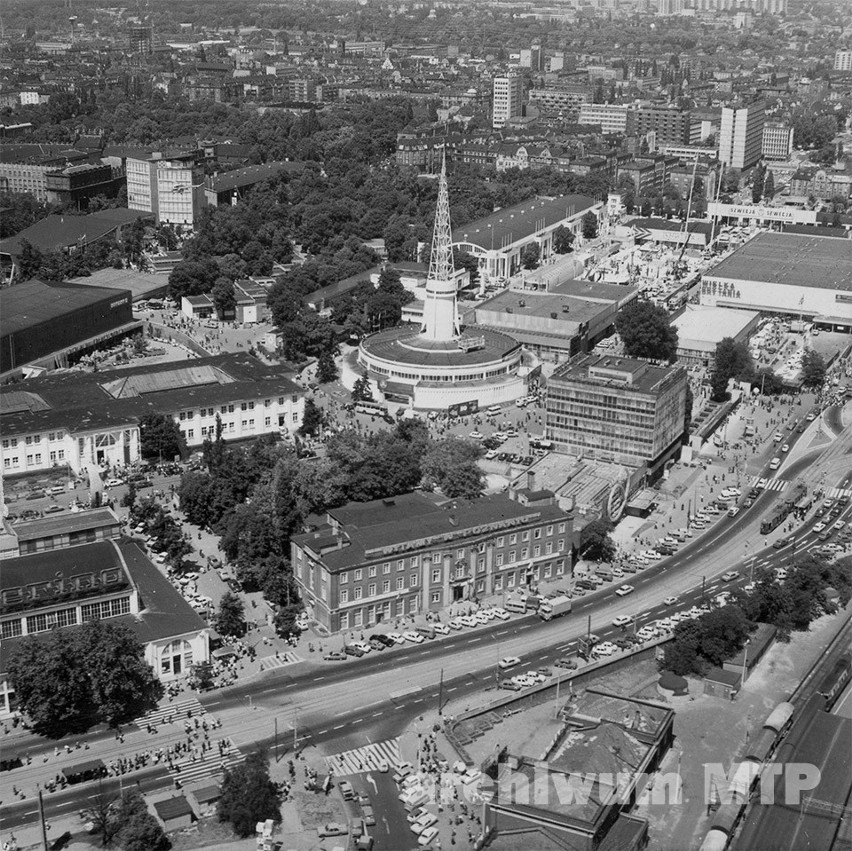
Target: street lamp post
{"points": [[745, 663]]}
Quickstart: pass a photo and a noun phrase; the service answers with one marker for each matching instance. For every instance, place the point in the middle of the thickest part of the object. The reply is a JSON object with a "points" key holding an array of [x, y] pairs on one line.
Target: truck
{"points": [[554, 607]]}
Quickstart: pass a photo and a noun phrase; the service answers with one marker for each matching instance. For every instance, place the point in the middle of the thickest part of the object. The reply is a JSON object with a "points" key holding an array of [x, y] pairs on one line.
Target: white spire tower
{"points": [[440, 310]]}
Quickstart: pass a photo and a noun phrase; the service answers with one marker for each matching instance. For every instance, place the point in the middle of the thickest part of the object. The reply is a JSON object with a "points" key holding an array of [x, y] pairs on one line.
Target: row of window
{"points": [[29, 440], [229, 409], [67, 617], [34, 460]]}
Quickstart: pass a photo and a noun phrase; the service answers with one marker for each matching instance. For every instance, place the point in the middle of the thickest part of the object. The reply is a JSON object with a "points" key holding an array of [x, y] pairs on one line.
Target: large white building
{"points": [[777, 141], [741, 135], [785, 273], [612, 117], [171, 186], [843, 60], [507, 99], [85, 420]]}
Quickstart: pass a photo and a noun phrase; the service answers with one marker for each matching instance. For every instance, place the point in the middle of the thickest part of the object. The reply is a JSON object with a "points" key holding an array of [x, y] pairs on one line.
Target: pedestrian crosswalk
{"points": [[281, 660], [837, 493], [769, 484], [210, 764], [369, 758], [173, 712]]}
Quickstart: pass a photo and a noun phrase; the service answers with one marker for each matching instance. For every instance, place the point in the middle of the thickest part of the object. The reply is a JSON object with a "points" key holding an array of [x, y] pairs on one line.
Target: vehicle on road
{"points": [[733, 511], [839, 525], [781, 543], [509, 662], [624, 590], [818, 528], [332, 828], [347, 790], [622, 620], [785, 447], [670, 601], [730, 576]]}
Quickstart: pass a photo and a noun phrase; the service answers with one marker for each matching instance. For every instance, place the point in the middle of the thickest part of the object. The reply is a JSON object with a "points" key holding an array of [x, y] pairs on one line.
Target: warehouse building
{"points": [[568, 318], [90, 419], [50, 325], [621, 410], [498, 240], [785, 273], [700, 329]]}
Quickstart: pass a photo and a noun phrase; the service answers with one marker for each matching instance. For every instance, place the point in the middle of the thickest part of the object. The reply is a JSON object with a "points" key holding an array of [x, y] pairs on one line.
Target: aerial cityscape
{"points": [[426, 425]]}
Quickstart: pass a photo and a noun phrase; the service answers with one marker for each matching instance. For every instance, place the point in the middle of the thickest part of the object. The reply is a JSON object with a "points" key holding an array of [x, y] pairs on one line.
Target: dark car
{"points": [[754, 493], [377, 645], [510, 685], [566, 662], [353, 651], [749, 502], [781, 543], [387, 642], [53, 509], [335, 656], [36, 495]]}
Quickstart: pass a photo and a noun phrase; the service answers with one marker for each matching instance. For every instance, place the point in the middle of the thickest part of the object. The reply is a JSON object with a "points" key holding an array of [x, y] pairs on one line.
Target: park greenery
{"points": [[596, 541], [790, 605], [70, 679], [160, 438], [258, 497]]}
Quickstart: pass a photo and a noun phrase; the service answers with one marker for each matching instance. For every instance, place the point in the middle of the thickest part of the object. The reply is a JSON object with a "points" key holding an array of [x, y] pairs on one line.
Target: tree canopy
{"points": [[733, 360], [77, 676], [160, 438], [596, 541], [646, 331], [813, 368], [249, 795]]}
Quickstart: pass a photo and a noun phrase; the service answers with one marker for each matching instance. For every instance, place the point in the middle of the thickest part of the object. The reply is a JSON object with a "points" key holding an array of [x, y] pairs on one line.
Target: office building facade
{"points": [[507, 99], [612, 117], [741, 135], [622, 410], [668, 123], [843, 60], [777, 141], [365, 563], [171, 186]]}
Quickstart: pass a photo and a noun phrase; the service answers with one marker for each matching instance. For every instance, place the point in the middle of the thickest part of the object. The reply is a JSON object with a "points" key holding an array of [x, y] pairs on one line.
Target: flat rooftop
{"points": [[611, 371], [705, 324], [567, 308], [140, 284], [790, 259]]}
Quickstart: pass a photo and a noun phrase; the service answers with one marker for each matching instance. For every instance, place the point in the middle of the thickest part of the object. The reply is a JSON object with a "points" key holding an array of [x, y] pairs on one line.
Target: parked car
{"points": [[335, 656], [352, 650], [413, 637], [332, 828]]}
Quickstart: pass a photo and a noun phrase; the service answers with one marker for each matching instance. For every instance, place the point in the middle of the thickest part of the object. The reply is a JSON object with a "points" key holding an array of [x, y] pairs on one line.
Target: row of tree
{"points": [[790, 605]]}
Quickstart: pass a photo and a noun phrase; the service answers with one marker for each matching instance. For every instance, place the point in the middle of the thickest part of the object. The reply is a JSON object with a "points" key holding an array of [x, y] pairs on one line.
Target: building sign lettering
{"points": [[765, 214]]}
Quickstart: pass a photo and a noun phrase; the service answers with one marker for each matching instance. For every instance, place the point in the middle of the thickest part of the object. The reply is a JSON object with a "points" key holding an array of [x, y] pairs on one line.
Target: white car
{"points": [[695, 612], [362, 645], [113, 483], [467, 620], [475, 435], [670, 601], [441, 628], [427, 836], [413, 637], [501, 613], [605, 648], [490, 454], [622, 620], [647, 632], [481, 617], [666, 624], [624, 590], [509, 662], [840, 524], [523, 681], [396, 638], [455, 623], [617, 572]]}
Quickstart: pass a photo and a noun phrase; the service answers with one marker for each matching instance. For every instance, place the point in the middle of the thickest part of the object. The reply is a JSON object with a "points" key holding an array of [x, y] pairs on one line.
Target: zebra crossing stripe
{"points": [[368, 758], [769, 484], [175, 711], [281, 661], [837, 493], [208, 767]]}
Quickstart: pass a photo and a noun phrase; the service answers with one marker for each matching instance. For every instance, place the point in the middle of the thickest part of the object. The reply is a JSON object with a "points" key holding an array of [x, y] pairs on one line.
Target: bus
{"points": [[374, 409]]}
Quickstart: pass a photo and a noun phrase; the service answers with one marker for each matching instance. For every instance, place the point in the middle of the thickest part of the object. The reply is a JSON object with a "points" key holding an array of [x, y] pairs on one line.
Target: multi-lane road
{"points": [[332, 703]]}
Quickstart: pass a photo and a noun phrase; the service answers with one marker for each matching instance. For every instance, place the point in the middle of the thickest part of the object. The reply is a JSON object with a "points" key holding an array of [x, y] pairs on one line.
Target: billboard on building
{"points": [[789, 215], [463, 409]]}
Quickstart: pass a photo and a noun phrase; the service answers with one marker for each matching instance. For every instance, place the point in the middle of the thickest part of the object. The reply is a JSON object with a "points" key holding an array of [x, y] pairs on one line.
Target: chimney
{"points": [[530, 480]]}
